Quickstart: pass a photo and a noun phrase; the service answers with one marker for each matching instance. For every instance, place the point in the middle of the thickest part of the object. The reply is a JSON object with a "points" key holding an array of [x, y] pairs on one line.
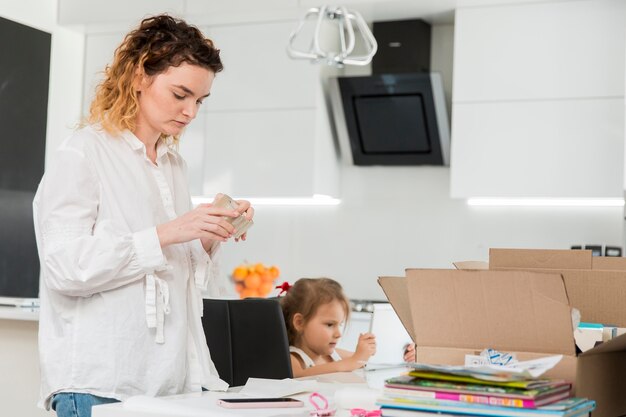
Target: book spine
{"points": [[489, 400], [469, 398], [476, 390]]}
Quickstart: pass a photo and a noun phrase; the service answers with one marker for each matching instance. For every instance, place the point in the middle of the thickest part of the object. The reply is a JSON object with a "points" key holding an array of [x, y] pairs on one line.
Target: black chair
{"points": [[247, 338]]}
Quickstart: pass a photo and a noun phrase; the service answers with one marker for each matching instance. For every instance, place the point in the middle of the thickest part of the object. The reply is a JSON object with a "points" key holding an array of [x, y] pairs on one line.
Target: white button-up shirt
{"points": [[120, 316]]}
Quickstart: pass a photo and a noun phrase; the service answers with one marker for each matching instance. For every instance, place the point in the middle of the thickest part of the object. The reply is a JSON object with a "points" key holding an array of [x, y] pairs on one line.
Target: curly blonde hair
{"points": [[306, 296], [158, 43]]}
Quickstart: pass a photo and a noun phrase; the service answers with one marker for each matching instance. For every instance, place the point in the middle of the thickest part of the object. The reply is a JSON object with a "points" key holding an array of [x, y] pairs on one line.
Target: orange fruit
{"points": [[239, 287], [265, 288], [249, 293], [240, 272], [259, 268], [274, 271], [253, 281], [266, 276]]}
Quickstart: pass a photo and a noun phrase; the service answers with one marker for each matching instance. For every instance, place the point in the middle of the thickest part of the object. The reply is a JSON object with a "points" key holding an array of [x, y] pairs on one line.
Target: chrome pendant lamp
{"points": [[344, 21]]}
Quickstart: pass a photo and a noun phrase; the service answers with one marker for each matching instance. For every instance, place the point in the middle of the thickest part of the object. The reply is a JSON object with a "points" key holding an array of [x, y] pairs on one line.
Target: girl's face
{"points": [[170, 100], [322, 332]]}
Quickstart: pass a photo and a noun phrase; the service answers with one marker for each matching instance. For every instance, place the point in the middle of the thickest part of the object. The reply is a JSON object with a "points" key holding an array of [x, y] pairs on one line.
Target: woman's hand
{"points": [[409, 353], [205, 222], [245, 209]]}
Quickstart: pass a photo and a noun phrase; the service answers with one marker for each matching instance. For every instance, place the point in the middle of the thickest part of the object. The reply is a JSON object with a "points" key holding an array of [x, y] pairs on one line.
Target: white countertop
{"points": [[32, 314], [19, 313]]}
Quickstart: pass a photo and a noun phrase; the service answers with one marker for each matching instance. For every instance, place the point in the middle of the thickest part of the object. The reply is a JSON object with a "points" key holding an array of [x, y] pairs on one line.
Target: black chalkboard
{"points": [[19, 263], [24, 79]]}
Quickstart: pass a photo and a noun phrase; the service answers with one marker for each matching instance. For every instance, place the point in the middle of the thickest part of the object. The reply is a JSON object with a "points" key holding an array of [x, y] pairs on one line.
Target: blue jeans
{"points": [[72, 404]]}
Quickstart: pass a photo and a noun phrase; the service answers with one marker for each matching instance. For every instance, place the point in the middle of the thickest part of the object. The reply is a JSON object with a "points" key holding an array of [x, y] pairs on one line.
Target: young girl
{"points": [[315, 310]]}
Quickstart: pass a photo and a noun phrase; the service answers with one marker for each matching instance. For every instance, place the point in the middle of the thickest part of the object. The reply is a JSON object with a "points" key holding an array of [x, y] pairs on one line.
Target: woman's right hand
{"points": [[203, 222]]}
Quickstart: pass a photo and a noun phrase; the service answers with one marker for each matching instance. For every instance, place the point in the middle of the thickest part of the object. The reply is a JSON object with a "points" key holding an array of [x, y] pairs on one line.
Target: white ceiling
{"points": [[104, 15]]}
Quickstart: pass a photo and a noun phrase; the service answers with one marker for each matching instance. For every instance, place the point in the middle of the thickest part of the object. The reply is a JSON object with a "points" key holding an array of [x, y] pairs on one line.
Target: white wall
{"points": [[391, 219]]}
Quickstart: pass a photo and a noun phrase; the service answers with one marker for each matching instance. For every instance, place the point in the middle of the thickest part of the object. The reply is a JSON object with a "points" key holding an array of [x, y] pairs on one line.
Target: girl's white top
{"points": [[120, 316], [308, 362]]}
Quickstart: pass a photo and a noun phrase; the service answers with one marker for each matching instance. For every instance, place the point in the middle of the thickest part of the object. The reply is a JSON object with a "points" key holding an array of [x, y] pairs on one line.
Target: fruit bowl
{"points": [[254, 280]]}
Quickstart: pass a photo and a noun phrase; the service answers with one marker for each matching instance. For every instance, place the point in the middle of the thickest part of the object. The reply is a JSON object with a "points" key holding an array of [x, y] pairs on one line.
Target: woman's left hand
{"points": [[409, 353]]}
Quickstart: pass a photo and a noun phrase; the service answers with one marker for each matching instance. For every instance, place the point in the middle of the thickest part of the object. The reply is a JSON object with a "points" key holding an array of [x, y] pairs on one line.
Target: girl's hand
{"points": [[409, 353], [205, 222], [365, 348]]}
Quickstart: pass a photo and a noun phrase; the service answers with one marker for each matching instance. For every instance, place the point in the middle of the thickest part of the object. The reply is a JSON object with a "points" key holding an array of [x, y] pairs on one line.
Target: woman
{"points": [[123, 254]]}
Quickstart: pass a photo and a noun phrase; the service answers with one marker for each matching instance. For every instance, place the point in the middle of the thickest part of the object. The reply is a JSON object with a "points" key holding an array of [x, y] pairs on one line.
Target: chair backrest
{"points": [[247, 338]]}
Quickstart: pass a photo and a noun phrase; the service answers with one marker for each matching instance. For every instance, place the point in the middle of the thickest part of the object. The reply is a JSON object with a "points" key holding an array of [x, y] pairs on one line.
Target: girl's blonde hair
{"points": [[306, 296], [158, 43]]}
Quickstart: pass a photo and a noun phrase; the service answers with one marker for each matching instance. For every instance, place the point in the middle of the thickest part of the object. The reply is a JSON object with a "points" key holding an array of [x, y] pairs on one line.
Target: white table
{"points": [[205, 403]]}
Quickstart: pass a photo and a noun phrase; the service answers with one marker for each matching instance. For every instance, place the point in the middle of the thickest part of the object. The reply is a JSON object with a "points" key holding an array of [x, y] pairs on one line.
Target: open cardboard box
{"points": [[522, 304]]}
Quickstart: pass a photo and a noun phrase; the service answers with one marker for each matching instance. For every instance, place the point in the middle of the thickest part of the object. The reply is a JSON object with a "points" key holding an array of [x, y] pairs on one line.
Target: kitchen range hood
{"points": [[391, 119]]}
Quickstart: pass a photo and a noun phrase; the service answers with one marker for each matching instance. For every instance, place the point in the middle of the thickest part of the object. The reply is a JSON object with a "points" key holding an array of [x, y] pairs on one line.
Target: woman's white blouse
{"points": [[120, 316]]}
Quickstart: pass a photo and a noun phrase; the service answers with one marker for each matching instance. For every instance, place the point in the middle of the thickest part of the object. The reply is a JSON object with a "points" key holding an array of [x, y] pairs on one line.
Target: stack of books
{"points": [[426, 393]]}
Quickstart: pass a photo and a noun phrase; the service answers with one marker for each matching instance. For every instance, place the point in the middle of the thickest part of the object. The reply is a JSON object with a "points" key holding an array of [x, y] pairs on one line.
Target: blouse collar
{"points": [[137, 145]]}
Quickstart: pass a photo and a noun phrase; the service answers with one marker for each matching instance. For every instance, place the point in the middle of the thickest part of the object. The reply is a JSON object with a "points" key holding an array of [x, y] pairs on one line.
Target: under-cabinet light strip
{"points": [[546, 202]]}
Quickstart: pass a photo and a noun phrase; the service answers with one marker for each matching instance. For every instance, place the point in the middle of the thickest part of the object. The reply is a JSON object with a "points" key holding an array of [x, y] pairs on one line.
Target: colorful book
{"points": [[521, 384], [413, 383], [565, 404], [475, 398], [397, 412], [455, 407]]}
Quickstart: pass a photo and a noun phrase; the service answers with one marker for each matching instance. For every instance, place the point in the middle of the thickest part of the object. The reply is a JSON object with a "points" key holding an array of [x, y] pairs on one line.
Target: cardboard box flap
{"points": [[535, 258], [599, 295], [505, 310], [398, 296], [616, 345], [609, 263], [471, 265]]}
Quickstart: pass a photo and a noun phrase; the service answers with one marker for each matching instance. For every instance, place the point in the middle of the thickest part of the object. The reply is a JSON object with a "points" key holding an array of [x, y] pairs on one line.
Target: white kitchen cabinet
{"points": [[267, 132], [85, 12], [237, 11], [258, 74], [538, 100], [206, 11], [564, 49], [571, 148], [260, 153]]}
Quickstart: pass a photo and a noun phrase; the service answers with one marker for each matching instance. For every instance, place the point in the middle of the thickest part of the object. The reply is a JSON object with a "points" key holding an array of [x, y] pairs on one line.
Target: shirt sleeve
{"points": [[207, 272], [82, 256]]}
